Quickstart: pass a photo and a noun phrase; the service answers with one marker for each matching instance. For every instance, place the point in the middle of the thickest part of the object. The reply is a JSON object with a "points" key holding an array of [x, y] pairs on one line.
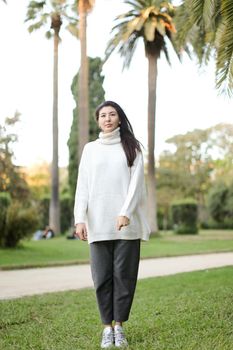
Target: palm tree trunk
{"points": [[151, 178], [83, 98], [54, 210]]}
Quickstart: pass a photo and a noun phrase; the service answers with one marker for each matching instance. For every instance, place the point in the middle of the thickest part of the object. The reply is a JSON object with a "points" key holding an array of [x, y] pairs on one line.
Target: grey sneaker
{"points": [[107, 338], [120, 340]]}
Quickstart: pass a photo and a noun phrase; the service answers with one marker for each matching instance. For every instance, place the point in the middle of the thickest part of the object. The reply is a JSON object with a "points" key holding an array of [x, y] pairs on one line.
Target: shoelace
{"points": [[107, 338], [120, 336]]}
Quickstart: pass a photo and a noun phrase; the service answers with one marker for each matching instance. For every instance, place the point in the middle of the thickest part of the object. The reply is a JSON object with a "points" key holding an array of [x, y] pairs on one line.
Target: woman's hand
{"points": [[81, 231], [122, 221]]}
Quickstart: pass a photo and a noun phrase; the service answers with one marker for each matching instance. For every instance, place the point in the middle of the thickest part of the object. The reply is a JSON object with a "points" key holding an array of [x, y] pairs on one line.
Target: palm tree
{"points": [[152, 21], [207, 26], [83, 7], [40, 13]]}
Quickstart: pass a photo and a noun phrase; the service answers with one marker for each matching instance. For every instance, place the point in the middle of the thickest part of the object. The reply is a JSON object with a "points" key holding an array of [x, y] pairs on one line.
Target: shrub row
{"points": [[185, 216], [181, 217], [20, 220], [16, 221]]}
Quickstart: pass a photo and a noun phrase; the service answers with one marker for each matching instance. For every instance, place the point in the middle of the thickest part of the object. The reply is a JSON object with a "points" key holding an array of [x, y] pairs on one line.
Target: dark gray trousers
{"points": [[114, 268]]}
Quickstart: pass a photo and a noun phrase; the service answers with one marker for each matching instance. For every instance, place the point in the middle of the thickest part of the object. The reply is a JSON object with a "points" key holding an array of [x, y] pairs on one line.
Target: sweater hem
{"points": [[144, 237]]}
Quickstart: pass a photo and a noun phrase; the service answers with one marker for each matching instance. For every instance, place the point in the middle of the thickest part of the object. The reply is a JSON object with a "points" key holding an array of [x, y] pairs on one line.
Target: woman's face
{"points": [[108, 119]]}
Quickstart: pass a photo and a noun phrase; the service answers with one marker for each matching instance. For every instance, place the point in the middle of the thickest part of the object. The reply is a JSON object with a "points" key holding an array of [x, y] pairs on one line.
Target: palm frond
{"points": [[227, 11], [160, 27], [73, 29], [149, 29], [166, 53], [136, 24], [34, 10], [195, 20], [39, 13], [224, 61], [48, 34], [137, 4], [223, 43], [131, 13], [207, 26], [211, 11], [37, 25], [36, 4], [123, 19], [149, 19], [183, 23], [176, 48], [197, 38], [197, 6], [115, 41], [128, 48]]}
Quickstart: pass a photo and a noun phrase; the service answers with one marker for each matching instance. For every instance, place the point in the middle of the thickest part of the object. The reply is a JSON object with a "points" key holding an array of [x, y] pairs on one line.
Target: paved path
{"points": [[18, 283]]}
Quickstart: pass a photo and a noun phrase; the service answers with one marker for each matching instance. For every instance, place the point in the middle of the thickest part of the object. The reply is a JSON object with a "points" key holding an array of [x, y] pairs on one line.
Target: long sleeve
{"points": [[81, 194], [135, 188]]}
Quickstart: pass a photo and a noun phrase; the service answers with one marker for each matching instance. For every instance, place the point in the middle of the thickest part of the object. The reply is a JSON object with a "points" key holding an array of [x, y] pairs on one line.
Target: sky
{"points": [[186, 95]]}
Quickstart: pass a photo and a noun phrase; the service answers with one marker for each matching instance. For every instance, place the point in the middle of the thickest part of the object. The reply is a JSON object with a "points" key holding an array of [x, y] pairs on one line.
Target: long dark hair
{"points": [[128, 140]]}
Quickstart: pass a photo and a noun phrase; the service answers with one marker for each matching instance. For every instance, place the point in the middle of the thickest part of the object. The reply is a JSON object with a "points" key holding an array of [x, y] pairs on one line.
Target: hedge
{"points": [[185, 216]]}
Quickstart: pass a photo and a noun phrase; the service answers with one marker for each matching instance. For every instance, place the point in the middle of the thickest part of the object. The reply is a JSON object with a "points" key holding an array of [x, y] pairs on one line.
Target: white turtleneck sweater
{"points": [[108, 188]]}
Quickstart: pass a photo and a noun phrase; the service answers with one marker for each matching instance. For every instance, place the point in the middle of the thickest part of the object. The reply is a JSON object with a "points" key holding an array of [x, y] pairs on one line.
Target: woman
{"points": [[110, 213]]}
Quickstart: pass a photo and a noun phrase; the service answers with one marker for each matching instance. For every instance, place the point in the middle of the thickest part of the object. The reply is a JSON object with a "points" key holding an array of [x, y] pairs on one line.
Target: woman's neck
{"points": [[109, 138]]}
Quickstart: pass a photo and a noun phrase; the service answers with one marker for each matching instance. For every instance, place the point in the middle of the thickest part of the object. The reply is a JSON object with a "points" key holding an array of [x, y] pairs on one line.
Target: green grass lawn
{"points": [[187, 311], [61, 251]]}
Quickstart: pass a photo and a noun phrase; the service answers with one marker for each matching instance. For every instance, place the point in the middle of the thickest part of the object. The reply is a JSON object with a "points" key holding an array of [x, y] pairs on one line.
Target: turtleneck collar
{"points": [[109, 138]]}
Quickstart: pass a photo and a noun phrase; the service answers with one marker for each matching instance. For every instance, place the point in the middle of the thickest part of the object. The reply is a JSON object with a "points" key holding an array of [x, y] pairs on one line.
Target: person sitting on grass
{"points": [[48, 233]]}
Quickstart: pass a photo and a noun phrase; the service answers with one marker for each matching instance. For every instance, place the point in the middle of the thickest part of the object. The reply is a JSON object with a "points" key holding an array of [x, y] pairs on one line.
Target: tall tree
{"points": [[191, 164], [206, 26], [201, 157], [96, 97], [83, 7], [41, 13], [151, 20], [12, 179]]}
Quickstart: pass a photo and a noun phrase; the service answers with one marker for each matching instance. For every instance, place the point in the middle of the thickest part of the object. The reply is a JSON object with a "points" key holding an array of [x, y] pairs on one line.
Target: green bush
{"points": [[5, 200], [220, 205], [217, 202], [214, 225], [19, 223], [164, 219], [185, 216], [66, 212], [43, 209]]}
